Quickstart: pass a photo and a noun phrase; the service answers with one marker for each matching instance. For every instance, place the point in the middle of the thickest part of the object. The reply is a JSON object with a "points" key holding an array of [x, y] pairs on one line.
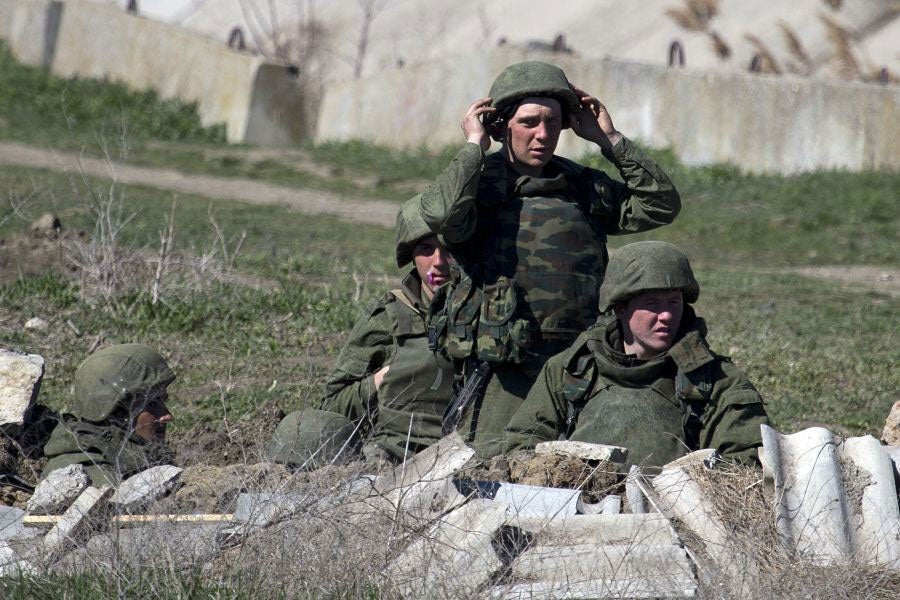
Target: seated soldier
{"points": [[643, 376], [117, 426], [387, 386]]}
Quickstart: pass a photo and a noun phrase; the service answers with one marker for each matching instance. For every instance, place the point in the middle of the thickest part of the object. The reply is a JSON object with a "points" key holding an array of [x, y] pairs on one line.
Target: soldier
{"points": [[117, 426], [386, 386], [529, 230], [643, 376]]}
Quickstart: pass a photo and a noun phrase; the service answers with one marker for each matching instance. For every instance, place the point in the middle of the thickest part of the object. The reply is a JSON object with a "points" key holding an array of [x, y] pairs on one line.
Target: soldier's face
{"points": [[150, 423], [432, 263], [532, 134], [650, 322]]}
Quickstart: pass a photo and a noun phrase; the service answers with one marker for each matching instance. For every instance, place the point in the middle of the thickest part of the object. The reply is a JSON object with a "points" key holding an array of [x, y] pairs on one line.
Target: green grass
{"points": [[43, 109]]}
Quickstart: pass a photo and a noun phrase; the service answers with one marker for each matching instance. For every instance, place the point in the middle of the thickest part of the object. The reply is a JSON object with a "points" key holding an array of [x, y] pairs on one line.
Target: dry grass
{"points": [[795, 46], [722, 49], [842, 43]]}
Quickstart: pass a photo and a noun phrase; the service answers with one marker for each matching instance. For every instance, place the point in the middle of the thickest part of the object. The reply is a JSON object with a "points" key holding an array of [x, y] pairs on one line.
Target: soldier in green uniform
{"points": [[529, 228], [117, 426], [387, 387], [643, 376]]}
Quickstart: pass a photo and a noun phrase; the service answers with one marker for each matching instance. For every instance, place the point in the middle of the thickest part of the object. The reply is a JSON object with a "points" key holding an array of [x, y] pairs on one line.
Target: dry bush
{"points": [[795, 46], [695, 15], [720, 47], [842, 42], [767, 64]]}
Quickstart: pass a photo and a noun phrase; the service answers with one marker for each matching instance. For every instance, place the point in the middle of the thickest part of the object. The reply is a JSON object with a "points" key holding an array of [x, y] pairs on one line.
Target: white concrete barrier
{"points": [[759, 123], [258, 101]]}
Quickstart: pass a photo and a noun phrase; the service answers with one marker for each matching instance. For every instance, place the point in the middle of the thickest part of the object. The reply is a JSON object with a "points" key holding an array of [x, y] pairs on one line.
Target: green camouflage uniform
{"points": [[110, 385], [414, 392], [682, 400], [403, 417], [548, 235]]}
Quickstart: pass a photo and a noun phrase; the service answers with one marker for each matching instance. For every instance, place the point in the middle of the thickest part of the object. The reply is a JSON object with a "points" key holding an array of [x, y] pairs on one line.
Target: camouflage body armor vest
{"points": [[416, 389], [531, 272]]}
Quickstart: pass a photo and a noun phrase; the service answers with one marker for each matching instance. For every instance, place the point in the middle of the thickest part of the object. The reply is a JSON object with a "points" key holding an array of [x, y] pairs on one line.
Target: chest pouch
{"points": [[501, 336]]}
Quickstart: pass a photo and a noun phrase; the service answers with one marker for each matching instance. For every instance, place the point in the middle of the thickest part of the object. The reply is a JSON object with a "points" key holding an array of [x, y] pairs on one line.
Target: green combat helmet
{"points": [[532, 78], [311, 438], [644, 267], [410, 229], [113, 376]]}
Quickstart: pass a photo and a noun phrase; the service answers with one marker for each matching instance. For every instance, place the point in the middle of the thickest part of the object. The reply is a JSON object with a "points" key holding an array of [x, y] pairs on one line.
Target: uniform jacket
{"points": [[686, 399], [404, 416]]}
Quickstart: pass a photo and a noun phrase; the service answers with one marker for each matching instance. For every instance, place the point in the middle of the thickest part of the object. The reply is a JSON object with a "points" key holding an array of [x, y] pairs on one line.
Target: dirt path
{"points": [[373, 212]]}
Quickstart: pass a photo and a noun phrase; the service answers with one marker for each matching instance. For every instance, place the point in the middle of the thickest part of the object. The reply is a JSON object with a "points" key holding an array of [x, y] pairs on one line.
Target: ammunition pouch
{"points": [[466, 320]]}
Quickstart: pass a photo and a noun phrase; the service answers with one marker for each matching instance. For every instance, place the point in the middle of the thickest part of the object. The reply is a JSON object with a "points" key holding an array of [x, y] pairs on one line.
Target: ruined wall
{"points": [[760, 123], [258, 101]]}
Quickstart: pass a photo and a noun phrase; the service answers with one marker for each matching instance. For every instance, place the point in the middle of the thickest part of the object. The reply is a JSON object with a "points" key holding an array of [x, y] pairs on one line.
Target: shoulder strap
{"points": [[579, 377], [693, 390]]}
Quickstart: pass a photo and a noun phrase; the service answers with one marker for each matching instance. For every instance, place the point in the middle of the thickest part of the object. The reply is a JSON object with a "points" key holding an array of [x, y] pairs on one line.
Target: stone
{"points": [[47, 225], [890, 435], [58, 490], [36, 324], [79, 521], [145, 487], [20, 381], [583, 450]]}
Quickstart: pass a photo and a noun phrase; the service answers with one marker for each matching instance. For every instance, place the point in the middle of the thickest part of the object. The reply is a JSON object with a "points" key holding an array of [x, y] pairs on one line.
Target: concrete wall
{"points": [[258, 101], [760, 123]]}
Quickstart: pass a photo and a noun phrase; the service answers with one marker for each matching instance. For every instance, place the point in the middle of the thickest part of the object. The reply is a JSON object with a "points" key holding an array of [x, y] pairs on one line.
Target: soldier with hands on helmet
{"points": [[643, 376], [386, 389], [117, 426], [528, 229]]}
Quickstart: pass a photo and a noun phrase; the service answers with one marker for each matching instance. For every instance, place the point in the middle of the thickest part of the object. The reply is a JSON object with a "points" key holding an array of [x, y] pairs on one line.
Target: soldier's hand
{"points": [[593, 122], [378, 377], [472, 126]]}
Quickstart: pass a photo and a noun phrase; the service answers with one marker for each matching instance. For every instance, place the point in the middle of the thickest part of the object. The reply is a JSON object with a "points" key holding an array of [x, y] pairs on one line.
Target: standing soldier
{"points": [[386, 387], [529, 231], [643, 376]]}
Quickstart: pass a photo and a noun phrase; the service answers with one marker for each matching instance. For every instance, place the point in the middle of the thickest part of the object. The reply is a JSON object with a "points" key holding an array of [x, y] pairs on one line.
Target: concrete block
{"points": [[606, 562], [145, 487], [58, 490], [650, 528], [583, 450], [11, 523], [259, 509], [636, 502], [525, 500], [436, 462], [161, 545], [29, 27], [634, 589], [79, 521], [20, 382], [455, 558], [258, 101]]}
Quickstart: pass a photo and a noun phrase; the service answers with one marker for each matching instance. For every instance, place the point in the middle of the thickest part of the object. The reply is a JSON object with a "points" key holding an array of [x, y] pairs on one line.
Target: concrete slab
{"points": [[636, 502], [651, 528], [606, 562], [436, 462], [79, 521], [58, 490], [583, 450], [145, 487], [524, 500], [455, 558], [609, 505], [634, 589], [20, 381]]}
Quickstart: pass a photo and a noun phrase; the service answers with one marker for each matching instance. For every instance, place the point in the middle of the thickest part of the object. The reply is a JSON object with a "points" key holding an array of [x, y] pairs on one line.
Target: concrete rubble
{"points": [[503, 540], [56, 492], [20, 381], [837, 498], [583, 450], [890, 435]]}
